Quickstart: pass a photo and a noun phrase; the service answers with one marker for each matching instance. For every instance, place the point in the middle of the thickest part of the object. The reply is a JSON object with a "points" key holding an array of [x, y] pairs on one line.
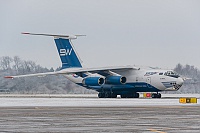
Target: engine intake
{"points": [[93, 81], [115, 80]]}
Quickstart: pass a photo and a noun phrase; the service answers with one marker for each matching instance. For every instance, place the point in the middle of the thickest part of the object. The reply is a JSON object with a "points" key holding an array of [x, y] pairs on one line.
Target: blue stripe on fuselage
{"points": [[133, 87]]}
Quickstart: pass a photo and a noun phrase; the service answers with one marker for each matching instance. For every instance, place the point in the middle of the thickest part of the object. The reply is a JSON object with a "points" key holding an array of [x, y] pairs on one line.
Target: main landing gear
{"points": [[113, 95], [156, 95], [107, 95], [133, 95], [129, 95]]}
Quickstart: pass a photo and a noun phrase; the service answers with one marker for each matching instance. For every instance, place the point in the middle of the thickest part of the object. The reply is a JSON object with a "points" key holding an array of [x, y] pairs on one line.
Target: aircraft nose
{"points": [[179, 81]]}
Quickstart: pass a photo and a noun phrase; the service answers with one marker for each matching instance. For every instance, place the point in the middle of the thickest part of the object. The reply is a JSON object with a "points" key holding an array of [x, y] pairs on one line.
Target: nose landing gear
{"points": [[156, 95]]}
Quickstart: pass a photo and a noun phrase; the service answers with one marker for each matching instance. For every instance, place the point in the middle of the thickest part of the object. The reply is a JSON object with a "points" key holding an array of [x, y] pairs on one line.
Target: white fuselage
{"points": [[142, 80]]}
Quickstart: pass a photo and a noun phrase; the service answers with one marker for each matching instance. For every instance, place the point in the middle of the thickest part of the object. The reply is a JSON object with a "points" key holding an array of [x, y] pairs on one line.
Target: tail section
{"points": [[67, 53]]}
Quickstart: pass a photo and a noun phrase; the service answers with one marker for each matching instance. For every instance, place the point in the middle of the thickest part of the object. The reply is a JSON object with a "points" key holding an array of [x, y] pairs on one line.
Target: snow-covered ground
{"points": [[77, 100], [86, 95]]}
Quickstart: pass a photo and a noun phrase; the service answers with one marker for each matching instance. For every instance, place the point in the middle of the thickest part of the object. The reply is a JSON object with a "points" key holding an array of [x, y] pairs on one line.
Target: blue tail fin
{"points": [[67, 53]]}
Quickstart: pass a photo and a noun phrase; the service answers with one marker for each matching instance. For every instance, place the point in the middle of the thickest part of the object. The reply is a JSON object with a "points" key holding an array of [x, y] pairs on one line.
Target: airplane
{"points": [[109, 82]]}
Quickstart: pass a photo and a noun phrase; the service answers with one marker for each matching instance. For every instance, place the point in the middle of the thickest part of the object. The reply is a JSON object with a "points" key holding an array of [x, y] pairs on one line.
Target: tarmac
{"points": [[86, 113]]}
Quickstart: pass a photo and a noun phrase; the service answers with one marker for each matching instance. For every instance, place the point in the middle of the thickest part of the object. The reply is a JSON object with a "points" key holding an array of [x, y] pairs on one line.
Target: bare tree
{"points": [[6, 62], [17, 63]]}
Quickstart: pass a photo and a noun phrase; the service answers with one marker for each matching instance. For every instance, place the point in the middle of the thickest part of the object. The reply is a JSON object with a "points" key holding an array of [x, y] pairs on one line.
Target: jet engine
{"points": [[115, 80], [93, 81]]}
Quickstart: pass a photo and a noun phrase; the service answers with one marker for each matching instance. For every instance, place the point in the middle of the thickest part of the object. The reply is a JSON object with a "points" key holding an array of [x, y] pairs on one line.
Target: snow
{"points": [[87, 101]]}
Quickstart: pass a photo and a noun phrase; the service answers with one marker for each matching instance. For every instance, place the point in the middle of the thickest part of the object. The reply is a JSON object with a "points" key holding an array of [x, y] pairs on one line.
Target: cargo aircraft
{"points": [[126, 81]]}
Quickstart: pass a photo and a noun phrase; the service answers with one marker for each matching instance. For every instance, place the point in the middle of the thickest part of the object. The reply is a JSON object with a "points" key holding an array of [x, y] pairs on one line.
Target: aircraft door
{"points": [[149, 82]]}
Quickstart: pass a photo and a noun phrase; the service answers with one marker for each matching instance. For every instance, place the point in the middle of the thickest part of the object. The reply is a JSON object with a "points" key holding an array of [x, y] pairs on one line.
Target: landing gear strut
{"points": [[156, 95]]}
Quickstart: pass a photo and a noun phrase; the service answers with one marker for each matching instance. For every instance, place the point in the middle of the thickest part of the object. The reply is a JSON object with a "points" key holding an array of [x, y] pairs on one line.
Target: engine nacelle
{"points": [[93, 81], [115, 80]]}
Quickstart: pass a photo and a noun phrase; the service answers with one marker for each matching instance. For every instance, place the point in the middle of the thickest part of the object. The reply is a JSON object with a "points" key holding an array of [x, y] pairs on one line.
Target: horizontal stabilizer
{"points": [[55, 35]]}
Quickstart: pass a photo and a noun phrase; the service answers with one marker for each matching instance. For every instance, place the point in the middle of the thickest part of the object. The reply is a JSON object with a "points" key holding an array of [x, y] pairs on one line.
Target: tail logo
{"points": [[64, 52]]}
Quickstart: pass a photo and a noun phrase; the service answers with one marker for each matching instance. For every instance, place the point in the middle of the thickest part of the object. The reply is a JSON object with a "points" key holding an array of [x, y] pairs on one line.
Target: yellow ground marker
{"points": [[188, 100]]}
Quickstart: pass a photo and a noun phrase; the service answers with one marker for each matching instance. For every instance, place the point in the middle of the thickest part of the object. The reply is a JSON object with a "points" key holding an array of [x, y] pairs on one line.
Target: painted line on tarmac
{"points": [[157, 131]]}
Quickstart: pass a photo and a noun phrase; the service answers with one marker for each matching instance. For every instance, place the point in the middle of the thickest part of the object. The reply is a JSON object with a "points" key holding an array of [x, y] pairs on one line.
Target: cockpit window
{"points": [[160, 73], [171, 74]]}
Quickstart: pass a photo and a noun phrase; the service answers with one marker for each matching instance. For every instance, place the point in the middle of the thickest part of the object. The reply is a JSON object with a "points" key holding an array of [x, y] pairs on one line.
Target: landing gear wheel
{"points": [[113, 95], [101, 95], [130, 95], [156, 95], [136, 95], [123, 96], [107, 95], [159, 95]]}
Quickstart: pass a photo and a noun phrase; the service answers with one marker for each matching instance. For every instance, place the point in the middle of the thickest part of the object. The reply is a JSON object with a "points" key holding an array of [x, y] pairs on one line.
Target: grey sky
{"points": [[119, 32]]}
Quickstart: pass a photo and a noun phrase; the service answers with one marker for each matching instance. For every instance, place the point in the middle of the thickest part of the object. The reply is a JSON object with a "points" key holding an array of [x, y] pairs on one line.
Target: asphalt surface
{"points": [[160, 119], [85, 113]]}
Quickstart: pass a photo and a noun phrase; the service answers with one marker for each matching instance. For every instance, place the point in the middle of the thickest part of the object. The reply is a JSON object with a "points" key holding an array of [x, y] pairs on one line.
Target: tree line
{"points": [[31, 85], [59, 84], [192, 74]]}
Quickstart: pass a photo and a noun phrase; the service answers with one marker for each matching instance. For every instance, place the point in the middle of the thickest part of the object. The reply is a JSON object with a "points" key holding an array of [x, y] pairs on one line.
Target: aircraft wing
{"points": [[31, 75], [97, 70], [77, 71]]}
